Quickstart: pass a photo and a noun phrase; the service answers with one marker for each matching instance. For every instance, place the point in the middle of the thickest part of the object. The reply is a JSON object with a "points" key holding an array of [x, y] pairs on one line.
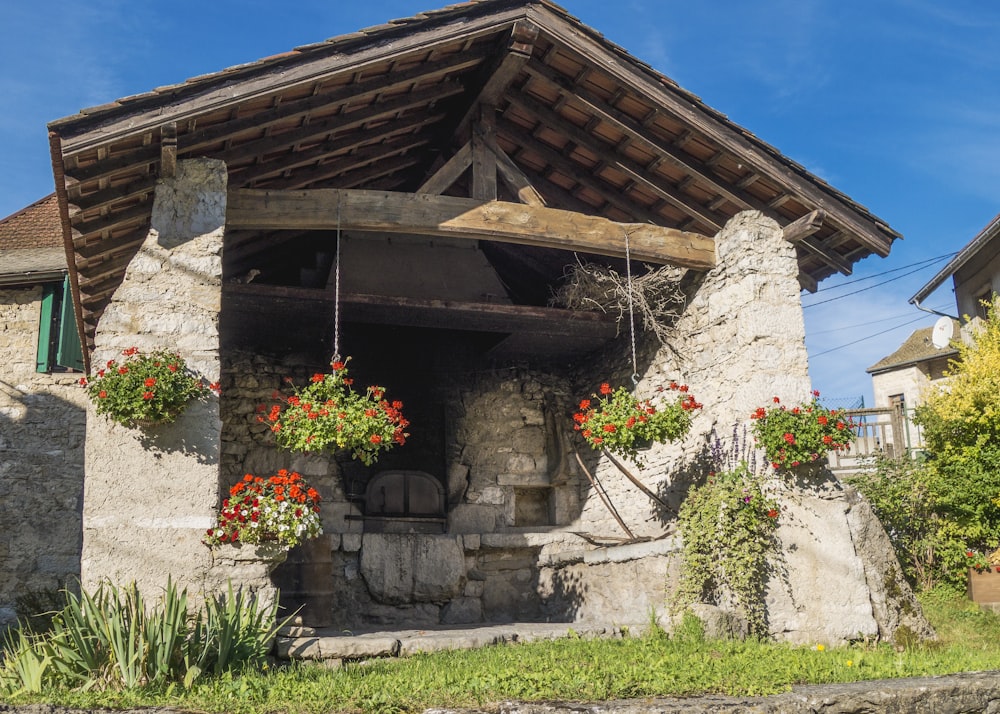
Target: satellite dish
{"points": [[944, 330]]}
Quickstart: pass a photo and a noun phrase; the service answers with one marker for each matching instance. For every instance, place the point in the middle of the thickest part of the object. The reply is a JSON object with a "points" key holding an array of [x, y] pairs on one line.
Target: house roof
{"points": [[964, 256], [917, 348], [594, 129], [31, 243]]}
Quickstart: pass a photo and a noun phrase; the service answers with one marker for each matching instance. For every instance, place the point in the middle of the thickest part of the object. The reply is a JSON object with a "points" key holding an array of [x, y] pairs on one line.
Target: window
{"points": [[983, 302], [58, 342]]}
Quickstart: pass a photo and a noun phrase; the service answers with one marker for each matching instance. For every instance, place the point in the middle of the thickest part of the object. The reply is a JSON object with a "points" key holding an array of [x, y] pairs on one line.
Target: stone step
{"points": [[303, 643]]}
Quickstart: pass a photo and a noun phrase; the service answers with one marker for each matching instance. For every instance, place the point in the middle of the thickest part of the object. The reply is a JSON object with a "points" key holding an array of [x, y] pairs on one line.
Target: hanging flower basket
{"points": [[144, 390], [273, 513], [328, 415], [617, 421], [795, 436]]}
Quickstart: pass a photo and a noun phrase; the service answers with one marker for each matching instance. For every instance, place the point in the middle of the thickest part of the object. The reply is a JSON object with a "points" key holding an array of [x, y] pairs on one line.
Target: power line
{"points": [[887, 272], [870, 287], [873, 322], [877, 334]]}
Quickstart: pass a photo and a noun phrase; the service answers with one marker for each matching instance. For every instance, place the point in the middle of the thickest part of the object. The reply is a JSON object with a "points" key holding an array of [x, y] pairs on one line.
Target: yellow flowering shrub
{"points": [[963, 416]]}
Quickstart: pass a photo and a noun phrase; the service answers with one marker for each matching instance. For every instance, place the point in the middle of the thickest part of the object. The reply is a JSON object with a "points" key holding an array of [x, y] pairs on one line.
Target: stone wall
{"points": [[153, 492], [526, 536], [42, 423]]}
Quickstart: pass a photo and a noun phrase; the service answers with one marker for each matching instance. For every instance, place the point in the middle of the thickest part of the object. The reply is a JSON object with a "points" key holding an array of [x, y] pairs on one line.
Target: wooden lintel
{"points": [[412, 312], [449, 173], [423, 214], [805, 226]]}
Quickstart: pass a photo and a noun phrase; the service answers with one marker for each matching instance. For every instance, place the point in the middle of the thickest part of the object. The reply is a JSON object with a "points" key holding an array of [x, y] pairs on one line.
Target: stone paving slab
{"points": [[304, 643]]}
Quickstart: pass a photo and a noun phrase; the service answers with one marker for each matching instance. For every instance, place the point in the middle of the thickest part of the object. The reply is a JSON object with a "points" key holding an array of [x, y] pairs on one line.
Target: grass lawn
{"points": [[573, 669]]}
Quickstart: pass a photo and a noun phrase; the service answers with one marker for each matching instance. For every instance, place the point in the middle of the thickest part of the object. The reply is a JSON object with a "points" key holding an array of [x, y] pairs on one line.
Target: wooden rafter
{"points": [[628, 167], [378, 143], [499, 76], [449, 172], [387, 110], [516, 180], [422, 214], [611, 194], [589, 53]]}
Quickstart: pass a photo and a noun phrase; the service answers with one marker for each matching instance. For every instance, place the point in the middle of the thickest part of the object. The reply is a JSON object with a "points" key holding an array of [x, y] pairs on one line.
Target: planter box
{"points": [[984, 587]]}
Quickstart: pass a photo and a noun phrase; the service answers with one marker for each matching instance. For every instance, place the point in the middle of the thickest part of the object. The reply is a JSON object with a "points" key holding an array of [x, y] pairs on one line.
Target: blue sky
{"points": [[894, 102]]}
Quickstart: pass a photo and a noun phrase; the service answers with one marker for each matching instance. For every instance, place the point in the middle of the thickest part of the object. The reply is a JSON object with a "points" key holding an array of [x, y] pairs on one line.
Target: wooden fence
{"points": [[884, 430]]}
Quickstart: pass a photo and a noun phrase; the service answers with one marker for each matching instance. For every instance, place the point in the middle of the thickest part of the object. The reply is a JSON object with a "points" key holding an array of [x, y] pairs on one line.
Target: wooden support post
{"points": [[168, 150], [484, 156]]}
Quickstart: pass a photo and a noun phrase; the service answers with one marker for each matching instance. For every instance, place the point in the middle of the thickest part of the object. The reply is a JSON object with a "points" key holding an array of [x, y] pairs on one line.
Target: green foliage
{"points": [[655, 664], [963, 417], [899, 491], [800, 434], [619, 422], [143, 388], [727, 524], [327, 415], [938, 511], [113, 640]]}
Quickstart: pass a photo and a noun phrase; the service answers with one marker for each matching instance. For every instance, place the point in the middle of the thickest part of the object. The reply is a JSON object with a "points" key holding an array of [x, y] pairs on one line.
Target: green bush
{"points": [[112, 639], [938, 510]]}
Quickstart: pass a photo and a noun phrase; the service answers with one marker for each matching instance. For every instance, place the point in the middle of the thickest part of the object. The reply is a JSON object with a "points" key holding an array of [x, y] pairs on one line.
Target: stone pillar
{"points": [[742, 336], [151, 494], [742, 342]]}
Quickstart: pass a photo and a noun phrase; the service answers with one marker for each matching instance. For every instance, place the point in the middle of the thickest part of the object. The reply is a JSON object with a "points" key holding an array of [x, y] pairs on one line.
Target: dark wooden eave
{"points": [[567, 118]]}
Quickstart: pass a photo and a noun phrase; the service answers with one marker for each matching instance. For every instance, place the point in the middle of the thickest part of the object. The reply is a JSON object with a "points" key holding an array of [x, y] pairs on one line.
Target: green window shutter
{"points": [[69, 352], [46, 326]]}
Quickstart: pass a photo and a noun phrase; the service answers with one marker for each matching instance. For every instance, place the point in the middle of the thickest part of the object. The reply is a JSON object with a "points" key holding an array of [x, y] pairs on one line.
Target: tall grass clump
{"points": [[112, 639]]}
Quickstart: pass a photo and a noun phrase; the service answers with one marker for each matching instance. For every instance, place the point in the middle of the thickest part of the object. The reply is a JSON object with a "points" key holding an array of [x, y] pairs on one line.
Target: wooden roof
{"points": [[593, 129]]}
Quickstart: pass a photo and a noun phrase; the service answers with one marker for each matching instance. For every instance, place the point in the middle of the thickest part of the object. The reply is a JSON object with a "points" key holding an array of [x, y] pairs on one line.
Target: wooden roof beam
{"points": [[499, 76], [636, 132], [356, 176], [281, 111], [367, 145], [517, 181], [632, 169], [450, 171], [422, 214], [804, 227], [386, 110], [589, 51], [610, 193], [801, 232]]}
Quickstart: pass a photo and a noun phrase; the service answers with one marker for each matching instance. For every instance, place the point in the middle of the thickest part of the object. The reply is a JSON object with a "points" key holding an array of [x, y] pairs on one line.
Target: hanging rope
{"points": [[631, 309], [336, 290]]}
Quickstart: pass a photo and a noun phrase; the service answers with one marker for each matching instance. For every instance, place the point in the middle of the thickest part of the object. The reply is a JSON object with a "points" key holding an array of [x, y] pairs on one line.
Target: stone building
{"points": [[900, 379], [974, 273], [42, 416], [449, 167]]}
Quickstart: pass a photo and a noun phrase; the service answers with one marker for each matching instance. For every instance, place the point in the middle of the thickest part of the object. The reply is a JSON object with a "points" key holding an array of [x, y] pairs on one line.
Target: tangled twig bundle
{"points": [[657, 299]]}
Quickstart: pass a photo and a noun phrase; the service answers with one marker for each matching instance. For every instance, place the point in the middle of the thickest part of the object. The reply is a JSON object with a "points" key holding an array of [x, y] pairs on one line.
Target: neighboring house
{"points": [[898, 382], [42, 419], [900, 379], [975, 274], [453, 164]]}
